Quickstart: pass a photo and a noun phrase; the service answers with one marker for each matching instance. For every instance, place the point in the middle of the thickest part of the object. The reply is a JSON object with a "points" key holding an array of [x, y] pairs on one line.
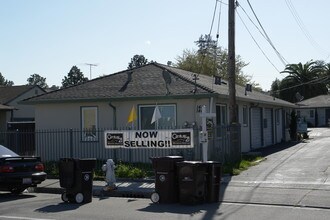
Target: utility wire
{"points": [[219, 19], [215, 10], [256, 42], [262, 34], [314, 81], [269, 40], [303, 27]]}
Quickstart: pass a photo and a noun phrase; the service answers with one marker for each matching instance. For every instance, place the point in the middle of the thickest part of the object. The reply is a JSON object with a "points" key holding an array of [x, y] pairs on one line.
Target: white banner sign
{"points": [[162, 139]]}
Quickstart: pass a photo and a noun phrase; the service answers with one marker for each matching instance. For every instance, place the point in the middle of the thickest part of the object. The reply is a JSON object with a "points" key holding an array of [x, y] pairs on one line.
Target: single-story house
{"points": [[12, 114], [106, 102], [315, 111]]}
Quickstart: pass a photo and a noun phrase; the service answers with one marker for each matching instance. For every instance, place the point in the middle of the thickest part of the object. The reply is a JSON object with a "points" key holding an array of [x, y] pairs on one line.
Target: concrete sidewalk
{"points": [[125, 188]]}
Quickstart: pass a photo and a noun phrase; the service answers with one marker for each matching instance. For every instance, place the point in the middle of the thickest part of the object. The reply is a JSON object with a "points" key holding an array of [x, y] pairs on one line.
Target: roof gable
{"points": [[9, 93]]}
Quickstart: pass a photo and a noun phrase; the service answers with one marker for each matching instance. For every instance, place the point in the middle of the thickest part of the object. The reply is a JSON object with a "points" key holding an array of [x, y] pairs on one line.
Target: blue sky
{"points": [[49, 37]]}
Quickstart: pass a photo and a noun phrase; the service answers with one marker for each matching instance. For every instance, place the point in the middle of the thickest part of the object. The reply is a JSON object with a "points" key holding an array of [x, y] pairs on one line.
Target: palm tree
{"points": [[306, 79]]}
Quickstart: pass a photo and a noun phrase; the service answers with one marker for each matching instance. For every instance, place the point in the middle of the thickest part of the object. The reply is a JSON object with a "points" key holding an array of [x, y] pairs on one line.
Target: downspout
{"points": [[114, 115], [211, 105]]}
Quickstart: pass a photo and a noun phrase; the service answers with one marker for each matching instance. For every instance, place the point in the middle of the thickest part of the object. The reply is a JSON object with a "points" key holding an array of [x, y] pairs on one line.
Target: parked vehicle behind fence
{"points": [[17, 173]]}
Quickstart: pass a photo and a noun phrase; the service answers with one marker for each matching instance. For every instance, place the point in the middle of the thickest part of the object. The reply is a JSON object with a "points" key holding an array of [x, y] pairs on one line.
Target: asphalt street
{"points": [[292, 175]]}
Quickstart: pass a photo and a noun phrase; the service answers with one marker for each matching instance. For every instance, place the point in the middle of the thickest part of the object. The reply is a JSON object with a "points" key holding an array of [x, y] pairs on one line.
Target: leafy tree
{"points": [[306, 79], [4, 82], [54, 87], [275, 87], [210, 59], [36, 79], [75, 76], [137, 61]]}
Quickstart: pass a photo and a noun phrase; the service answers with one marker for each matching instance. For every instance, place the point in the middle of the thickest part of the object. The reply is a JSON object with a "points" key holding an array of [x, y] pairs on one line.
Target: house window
{"points": [[245, 116], [166, 118], [221, 119], [221, 114], [89, 123], [311, 113]]}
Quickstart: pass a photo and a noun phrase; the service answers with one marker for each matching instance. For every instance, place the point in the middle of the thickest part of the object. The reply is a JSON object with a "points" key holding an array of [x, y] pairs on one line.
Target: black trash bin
{"points": [[76, 176], [166, 181], [213, 179], [192, 182]]}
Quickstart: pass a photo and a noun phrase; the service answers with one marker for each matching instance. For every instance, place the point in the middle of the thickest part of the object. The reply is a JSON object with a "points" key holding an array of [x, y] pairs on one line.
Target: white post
{"points": [[204, 133], [203, 136]]}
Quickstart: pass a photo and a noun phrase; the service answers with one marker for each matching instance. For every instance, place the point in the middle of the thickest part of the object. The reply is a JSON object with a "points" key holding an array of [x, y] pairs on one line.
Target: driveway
{"points": [[293, 174]]}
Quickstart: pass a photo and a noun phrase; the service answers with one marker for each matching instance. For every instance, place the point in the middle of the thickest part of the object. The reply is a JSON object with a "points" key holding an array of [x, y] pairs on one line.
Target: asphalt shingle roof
{"points": [[148, 81], [223, 90], [151, 80], [317, 102], [9, 93]]}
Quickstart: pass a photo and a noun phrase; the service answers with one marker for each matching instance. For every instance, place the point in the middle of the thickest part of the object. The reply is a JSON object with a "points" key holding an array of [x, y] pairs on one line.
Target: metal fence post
{"points": [[16, 142], [71, 142]]}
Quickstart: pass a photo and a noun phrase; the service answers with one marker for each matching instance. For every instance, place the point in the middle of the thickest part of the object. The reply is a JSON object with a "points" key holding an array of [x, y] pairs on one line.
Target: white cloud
{"points": [[148, 42]]}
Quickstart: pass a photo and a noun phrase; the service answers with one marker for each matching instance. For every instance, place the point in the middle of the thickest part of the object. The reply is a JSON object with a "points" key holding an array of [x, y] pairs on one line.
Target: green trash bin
{"points": [[76, 176], [166, 181], [213, 178], [192, 182]]}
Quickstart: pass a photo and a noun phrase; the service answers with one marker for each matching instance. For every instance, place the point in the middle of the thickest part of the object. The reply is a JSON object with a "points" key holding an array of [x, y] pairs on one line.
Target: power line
{"points": [[215, 10], [262, 34], [255, 41], [269, 40], [303, 28], [314, 81]]}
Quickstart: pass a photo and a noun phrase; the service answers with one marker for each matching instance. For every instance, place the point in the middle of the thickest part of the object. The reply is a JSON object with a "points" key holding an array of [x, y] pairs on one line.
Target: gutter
{"points": [[126, 98], [114, 115]]}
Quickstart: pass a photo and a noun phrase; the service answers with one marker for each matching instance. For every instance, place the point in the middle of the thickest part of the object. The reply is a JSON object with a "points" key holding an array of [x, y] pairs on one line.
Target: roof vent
{"points": [[248, 88]]}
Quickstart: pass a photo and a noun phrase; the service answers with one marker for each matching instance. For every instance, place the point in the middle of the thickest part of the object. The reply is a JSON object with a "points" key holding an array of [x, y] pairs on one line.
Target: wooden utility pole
{"points": [[234, 139], [231, 63]]}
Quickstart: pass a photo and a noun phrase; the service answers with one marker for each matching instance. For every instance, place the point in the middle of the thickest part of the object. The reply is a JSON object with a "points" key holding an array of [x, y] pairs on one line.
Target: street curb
{"points": [[99, 192]]}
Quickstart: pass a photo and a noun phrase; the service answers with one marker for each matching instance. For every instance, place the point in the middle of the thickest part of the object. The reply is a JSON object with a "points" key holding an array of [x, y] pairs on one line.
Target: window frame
{"points": [[84, 137], [157, 126], [245, 113], [223, 119]]}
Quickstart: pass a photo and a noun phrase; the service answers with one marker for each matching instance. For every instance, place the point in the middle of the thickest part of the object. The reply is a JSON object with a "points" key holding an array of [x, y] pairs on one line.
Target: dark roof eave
{"points": [[192, 96], [257, 101]]}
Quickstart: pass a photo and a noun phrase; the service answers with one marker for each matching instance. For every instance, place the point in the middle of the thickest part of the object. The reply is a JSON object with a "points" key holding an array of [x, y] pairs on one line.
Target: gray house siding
{"points": [[68, 115], [256, 128], [279, 119], [245, 128], [268, 126]]}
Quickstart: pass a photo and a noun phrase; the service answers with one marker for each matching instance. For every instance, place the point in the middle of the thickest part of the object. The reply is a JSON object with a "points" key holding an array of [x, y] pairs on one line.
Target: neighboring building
{"points": [[106, 102], [12, 113], [315, 111]]}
